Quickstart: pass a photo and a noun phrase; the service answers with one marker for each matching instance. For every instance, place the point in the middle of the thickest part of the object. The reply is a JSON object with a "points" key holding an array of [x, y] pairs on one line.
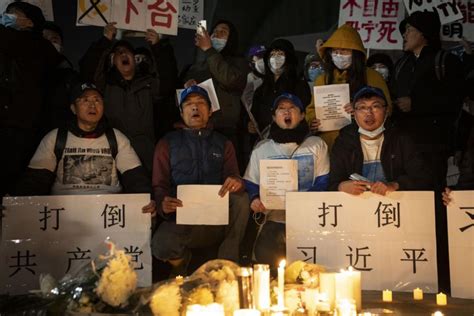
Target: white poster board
{"points": [[390, 239], [461, 28], [59, 234], [136, 15], [277, 177], [376, 21], [329, 101], [202, 205], [45, 5], [207, 85], [447, 10], [190, 13], [461, 243]]}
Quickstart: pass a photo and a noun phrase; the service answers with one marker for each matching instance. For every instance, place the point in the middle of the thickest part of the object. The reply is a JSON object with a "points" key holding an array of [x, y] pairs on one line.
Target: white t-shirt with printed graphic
{"points": [[372, 167], [87, 165]]}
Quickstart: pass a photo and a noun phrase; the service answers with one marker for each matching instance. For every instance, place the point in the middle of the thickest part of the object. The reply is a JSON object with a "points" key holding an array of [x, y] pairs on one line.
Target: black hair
{"points": [[357, 73], [289, 74], [370, 95], [232, 46]]}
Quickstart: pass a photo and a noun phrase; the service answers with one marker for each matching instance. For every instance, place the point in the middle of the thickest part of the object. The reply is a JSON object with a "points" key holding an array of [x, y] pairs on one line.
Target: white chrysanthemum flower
{"points": [[118, 280], [166, 300], [228, 295]]}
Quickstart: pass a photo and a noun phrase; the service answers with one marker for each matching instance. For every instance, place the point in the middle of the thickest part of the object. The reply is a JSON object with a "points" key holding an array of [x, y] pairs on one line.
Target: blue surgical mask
{"points": [[8, 20], [218, 43], [314, 73]]}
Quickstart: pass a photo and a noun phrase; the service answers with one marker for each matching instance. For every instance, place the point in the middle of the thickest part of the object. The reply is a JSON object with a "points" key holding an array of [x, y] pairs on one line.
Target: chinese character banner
{"points": [[376, 21], [136, 15], [59, 234], [462, 28], [461, 243], [390, 239], [447, 10]]}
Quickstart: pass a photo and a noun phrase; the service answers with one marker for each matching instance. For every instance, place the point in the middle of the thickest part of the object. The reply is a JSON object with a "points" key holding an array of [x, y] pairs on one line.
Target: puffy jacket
{"points": [[400, 161], [348, 38]]}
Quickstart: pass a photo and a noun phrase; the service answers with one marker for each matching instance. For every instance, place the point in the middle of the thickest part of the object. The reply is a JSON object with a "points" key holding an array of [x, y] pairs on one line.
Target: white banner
{"points": [[390, 239], [376, 21], [59, 234], [190, 13], [45, 5], [462, 28], [461, 243], [447, 10], [136, 15]]}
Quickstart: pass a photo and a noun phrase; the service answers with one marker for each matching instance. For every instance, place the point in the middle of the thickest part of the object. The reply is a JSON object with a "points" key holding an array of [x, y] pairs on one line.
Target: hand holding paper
{"points": [[231, 185], [169, 204]]}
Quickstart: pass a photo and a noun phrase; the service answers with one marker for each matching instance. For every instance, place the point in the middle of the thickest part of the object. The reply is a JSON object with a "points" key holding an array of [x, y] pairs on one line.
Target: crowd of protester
{"points": [[408, 117]]}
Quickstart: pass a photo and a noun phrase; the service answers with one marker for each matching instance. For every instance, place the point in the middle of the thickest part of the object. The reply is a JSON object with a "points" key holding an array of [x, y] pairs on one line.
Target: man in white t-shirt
{"points": [[385, 156], [88, 157]]}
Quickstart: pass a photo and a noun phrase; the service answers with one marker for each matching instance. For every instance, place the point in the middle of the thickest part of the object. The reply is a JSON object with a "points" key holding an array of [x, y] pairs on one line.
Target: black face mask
{"points": [[295, 135]]}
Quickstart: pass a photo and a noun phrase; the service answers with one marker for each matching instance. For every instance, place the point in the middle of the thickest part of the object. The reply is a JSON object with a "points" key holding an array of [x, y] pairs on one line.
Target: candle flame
{"points": [[282, 263]]}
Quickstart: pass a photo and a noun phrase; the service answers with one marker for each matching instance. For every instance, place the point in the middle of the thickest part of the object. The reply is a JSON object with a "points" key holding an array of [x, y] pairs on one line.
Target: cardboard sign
{"points": [[390, 239], [447, 10], [376, 21], [461, 243], [59, 234], [135, 15]]}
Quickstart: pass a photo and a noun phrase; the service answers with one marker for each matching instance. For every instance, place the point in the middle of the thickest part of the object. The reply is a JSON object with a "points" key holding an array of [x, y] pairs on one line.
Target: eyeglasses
{"points": [[366, 109], [288, 110]]}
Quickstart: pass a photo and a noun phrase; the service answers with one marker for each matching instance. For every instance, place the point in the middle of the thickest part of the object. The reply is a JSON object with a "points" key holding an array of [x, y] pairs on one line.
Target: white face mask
{"points": [[383, 71], [260, 66], [276, 64], [374, 133], [342, 62], [218, 43]]}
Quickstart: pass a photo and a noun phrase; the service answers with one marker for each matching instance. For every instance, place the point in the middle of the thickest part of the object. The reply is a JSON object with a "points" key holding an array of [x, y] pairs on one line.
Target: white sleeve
{"points": [[127, 158], [44, 157], [252, 173], [321, 167]]}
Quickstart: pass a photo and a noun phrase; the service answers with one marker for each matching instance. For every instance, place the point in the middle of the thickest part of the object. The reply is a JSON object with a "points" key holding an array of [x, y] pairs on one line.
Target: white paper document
{"points": [[202, 205], [329, 101], [208, 85], [277, 177]]}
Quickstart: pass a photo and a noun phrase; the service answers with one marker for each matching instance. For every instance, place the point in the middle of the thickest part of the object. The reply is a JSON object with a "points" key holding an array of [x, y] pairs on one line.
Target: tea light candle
{"points": [[346, 308], [437, 313], [441, 299], [387, 296], [417, 294], [281, 284], [179, 279], [246, 312]]}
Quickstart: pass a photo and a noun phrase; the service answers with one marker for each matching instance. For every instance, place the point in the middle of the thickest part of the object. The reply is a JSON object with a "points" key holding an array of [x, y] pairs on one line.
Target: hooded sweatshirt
{"points": [[348, 38]]}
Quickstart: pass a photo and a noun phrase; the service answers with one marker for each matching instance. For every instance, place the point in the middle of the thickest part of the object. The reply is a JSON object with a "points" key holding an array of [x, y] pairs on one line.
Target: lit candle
{"points": [[356, 287], [281, 283], [346, 308], [179, 279], [327, 285], [261, 288], [344, 286], [246, 312], [205, 310], [417, 294], [387, 296], [441, 299], [437, 313]]}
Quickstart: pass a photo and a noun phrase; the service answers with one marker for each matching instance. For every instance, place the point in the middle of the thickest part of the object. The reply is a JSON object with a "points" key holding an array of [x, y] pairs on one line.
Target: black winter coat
{"points": [[435, 103], [400, 161]]}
